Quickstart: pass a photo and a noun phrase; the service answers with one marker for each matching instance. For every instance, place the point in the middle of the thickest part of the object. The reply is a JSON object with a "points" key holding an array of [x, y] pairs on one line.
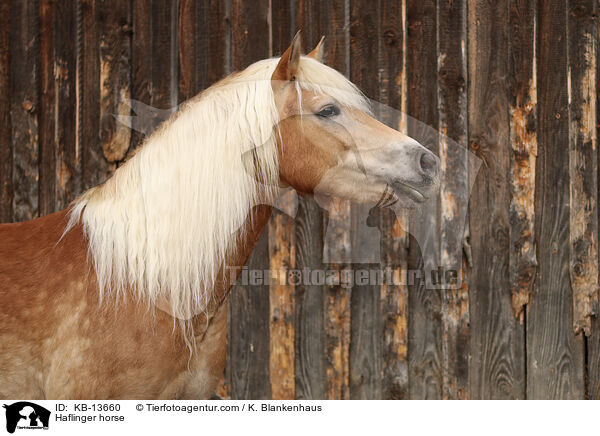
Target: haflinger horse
{"points": [[123, 295]]}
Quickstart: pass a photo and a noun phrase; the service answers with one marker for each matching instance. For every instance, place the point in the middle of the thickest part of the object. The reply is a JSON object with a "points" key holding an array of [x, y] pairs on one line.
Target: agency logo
{"points": [[27, 416]]}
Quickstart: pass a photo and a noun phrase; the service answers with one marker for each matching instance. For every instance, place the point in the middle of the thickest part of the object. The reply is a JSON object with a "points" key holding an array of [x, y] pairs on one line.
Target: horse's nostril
{"points": [[428, 164]]}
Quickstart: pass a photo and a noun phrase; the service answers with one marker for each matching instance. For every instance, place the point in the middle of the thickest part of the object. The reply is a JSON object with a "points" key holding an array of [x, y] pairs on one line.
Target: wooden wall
{"points": [[513, 81]]}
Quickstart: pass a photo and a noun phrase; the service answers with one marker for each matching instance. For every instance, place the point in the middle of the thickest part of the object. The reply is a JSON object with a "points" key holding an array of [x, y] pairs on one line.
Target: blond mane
{"points": [[163, 224]]}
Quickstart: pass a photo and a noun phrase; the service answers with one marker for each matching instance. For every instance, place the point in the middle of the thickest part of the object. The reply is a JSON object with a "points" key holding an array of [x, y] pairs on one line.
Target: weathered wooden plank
{"points": [[47, 144], [310, 297], [593, 341], [282, 333], [250, 38], [282, 252], [425, 327], [249, 307], [452, 103], [213, 41], [115, 84], [187, 50], [164, 54], [337, 246], [496, 366], [281, 26], [583, 162], [95, 167], [394, 231], [249, 341], [67, 147], [310, 348], [555, 358], [141, 68], [330, 19], [211, 63], [6, 161], [366, 361], [523, 140], [25, 108]]}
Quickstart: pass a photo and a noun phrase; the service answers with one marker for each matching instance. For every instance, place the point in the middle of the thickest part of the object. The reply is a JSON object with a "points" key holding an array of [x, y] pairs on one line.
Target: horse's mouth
{"points": [[393, 194]]}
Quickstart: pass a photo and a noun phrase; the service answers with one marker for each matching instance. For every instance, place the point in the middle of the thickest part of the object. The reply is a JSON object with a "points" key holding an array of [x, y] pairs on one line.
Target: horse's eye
{"points": [[330, 110]]}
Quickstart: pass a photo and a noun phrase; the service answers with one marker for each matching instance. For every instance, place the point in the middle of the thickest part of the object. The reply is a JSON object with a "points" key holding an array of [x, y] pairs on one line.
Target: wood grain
{"points": [[95, 168], [188, 37], [282, 254], [249, 338], [310, 297], [523, 140], [214, 39], [453, 119], [141, 63], [25, 108], [47, 145], [394, 229], [249, 308], [115, 83], [497, 363], [424, 321], [554, 355], [66, 107], [6, 154], [310, 347], [282, 308], [583, 162], [366, 363]]}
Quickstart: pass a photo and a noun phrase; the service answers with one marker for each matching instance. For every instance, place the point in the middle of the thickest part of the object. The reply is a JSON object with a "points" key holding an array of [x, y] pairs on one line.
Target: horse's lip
{"points": [[411, 191]]}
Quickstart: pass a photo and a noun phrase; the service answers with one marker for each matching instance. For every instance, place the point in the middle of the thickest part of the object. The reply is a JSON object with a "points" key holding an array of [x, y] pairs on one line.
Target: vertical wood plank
{"points": [[6, 161], [141, 53], [115, 84], [249, 342], [593, 341], [164, 54], [212, 42], [47, 150], [250, 305], [25, 107], [523, 140], [310, 369], [425, 327], [452, 103], [365, 328], [583, 162], [66, 144], [555, 360], [282, 253], [95, 167], [334, 24], [282, 308], [210, 63], [310, 298], [394, 236], [188, 50], [496, 366]]}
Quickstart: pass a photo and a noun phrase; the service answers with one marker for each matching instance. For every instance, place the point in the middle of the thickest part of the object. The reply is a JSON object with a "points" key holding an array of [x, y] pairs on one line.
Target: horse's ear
{"points": [[318, 52], [288, 64]]}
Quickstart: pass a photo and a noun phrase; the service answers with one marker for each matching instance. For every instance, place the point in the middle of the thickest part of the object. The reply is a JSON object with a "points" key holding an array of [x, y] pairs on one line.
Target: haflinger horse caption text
{"points": [[290, 417]]}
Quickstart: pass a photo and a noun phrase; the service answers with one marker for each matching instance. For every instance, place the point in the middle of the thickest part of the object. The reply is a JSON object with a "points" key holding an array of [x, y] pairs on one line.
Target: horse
{"points": [[123, 295]]}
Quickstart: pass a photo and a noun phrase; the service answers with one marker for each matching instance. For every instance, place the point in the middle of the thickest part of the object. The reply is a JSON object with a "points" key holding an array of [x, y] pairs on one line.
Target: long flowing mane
{"points": [[163, 224]]}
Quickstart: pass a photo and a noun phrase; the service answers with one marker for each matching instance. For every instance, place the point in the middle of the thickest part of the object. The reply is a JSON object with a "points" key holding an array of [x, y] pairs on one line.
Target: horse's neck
{"points": [[247, 237]]}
